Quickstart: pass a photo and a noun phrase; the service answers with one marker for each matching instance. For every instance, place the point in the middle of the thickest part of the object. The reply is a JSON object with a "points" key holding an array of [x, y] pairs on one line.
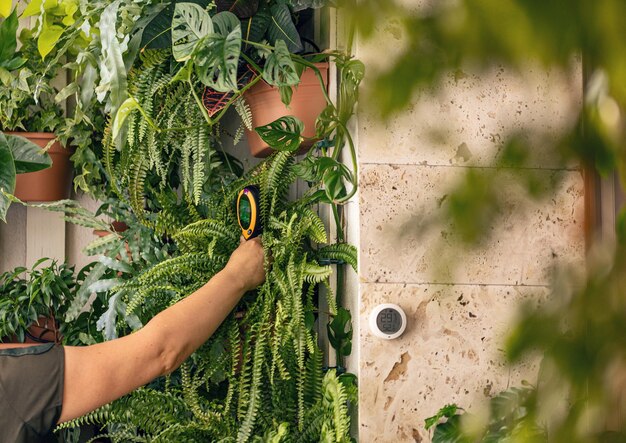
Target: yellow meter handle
{"points": [[248, 212]]}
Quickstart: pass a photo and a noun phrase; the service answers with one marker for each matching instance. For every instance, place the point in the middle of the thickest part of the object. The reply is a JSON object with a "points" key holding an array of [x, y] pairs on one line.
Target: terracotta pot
{"points": [[306, 104], [44, 330], [116, 226], [50, 184]]}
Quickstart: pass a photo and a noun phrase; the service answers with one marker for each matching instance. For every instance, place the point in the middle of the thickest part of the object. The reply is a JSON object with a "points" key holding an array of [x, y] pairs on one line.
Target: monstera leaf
{"points": [[284, 134], [279, 69], [218, 59], [17, 155], [190, 24]]}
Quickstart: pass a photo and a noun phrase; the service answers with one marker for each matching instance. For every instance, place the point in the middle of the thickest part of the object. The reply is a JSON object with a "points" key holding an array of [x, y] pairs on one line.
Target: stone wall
{"points": [[460, 303]]}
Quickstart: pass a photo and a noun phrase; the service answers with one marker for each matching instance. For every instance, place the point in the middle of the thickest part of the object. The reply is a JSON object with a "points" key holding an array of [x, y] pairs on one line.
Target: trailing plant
{"points": [[20, 71], [268, 360], [168, 142]]}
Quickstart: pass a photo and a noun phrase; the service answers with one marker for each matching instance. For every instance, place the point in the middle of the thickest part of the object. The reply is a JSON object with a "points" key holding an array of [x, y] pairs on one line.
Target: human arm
{"points": [[98, 374]]}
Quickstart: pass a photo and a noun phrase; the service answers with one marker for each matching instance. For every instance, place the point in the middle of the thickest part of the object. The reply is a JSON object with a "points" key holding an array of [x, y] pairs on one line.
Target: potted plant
{"points": [[28, 109], [17, 156], [30, 306], [281, 23], [273, 31]]}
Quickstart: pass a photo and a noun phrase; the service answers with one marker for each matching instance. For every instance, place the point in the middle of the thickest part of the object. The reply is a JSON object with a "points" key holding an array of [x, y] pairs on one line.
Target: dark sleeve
{"points": [[31, 392]]}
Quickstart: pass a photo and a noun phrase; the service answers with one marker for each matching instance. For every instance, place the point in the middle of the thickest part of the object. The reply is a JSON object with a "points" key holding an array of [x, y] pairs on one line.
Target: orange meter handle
{"points": [[248, 212]]}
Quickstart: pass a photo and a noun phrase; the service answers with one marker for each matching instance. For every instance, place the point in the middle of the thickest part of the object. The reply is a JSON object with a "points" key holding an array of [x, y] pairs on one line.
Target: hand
{"points": [[246, 263]]}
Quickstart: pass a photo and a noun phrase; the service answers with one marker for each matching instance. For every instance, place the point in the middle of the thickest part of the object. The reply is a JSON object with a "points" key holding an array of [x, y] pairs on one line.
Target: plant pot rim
{"points": [[318, 65], [28, 134], [55, 148]]}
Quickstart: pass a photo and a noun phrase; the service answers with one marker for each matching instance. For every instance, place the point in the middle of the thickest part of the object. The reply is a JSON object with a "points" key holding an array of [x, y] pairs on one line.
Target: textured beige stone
{"points": [[464, 117], [451, 352], [467, 118], [404, 240]]}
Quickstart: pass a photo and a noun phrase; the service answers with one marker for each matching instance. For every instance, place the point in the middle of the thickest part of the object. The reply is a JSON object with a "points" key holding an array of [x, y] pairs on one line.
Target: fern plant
{"points": [[260, 376]]}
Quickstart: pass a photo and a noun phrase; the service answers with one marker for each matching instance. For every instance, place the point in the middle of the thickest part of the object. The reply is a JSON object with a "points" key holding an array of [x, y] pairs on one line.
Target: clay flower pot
{"points": [[44, 330], [306, 104], [49, 184], [116, 226]]}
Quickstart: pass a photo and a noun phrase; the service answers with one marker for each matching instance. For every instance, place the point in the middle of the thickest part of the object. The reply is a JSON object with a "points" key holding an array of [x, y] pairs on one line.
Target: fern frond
{"points": [[244, 112], [339, 251], [316, 274]]}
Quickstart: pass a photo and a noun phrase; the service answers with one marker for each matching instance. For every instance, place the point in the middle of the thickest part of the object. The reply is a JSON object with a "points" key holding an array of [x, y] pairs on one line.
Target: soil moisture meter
{"points": [[248, 212]]}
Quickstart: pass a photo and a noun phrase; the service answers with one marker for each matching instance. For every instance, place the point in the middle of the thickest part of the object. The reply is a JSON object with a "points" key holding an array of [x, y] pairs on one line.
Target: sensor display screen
{"points": [[245, 211], [389, 321]]}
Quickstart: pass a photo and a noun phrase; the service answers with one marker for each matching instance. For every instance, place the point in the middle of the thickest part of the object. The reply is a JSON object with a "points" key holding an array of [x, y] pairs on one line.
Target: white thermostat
{"points": [[387, 321]]}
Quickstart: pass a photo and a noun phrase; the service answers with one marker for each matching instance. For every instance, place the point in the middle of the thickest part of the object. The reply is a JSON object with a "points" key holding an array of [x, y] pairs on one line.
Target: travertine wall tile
{"points": [[403, 240], [466, 120], [451, 352], [465, 116]]}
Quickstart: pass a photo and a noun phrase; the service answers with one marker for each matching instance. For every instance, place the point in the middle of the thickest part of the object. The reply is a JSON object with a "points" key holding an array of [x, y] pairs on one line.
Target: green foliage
{"points": [[18, 156], [579, 332], [282, 27], [259, 376], [284, 134], [511, 418], [165, 139], [44, 291], [217, 60], [190, 24], [19, 109], [340, 333], [279, 69]]}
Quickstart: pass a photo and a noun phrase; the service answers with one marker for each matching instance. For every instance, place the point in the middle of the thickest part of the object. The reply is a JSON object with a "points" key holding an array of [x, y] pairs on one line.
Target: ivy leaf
{"points": [[5, 7], [8, 38], [190, 24], [279, 69], [7, 176], [27, 155], [218, 60], [284, 134], [282, 28]]}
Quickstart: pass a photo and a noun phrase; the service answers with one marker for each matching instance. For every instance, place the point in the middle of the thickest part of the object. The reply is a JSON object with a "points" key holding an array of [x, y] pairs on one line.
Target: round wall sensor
{"points": [[387, 321]]}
